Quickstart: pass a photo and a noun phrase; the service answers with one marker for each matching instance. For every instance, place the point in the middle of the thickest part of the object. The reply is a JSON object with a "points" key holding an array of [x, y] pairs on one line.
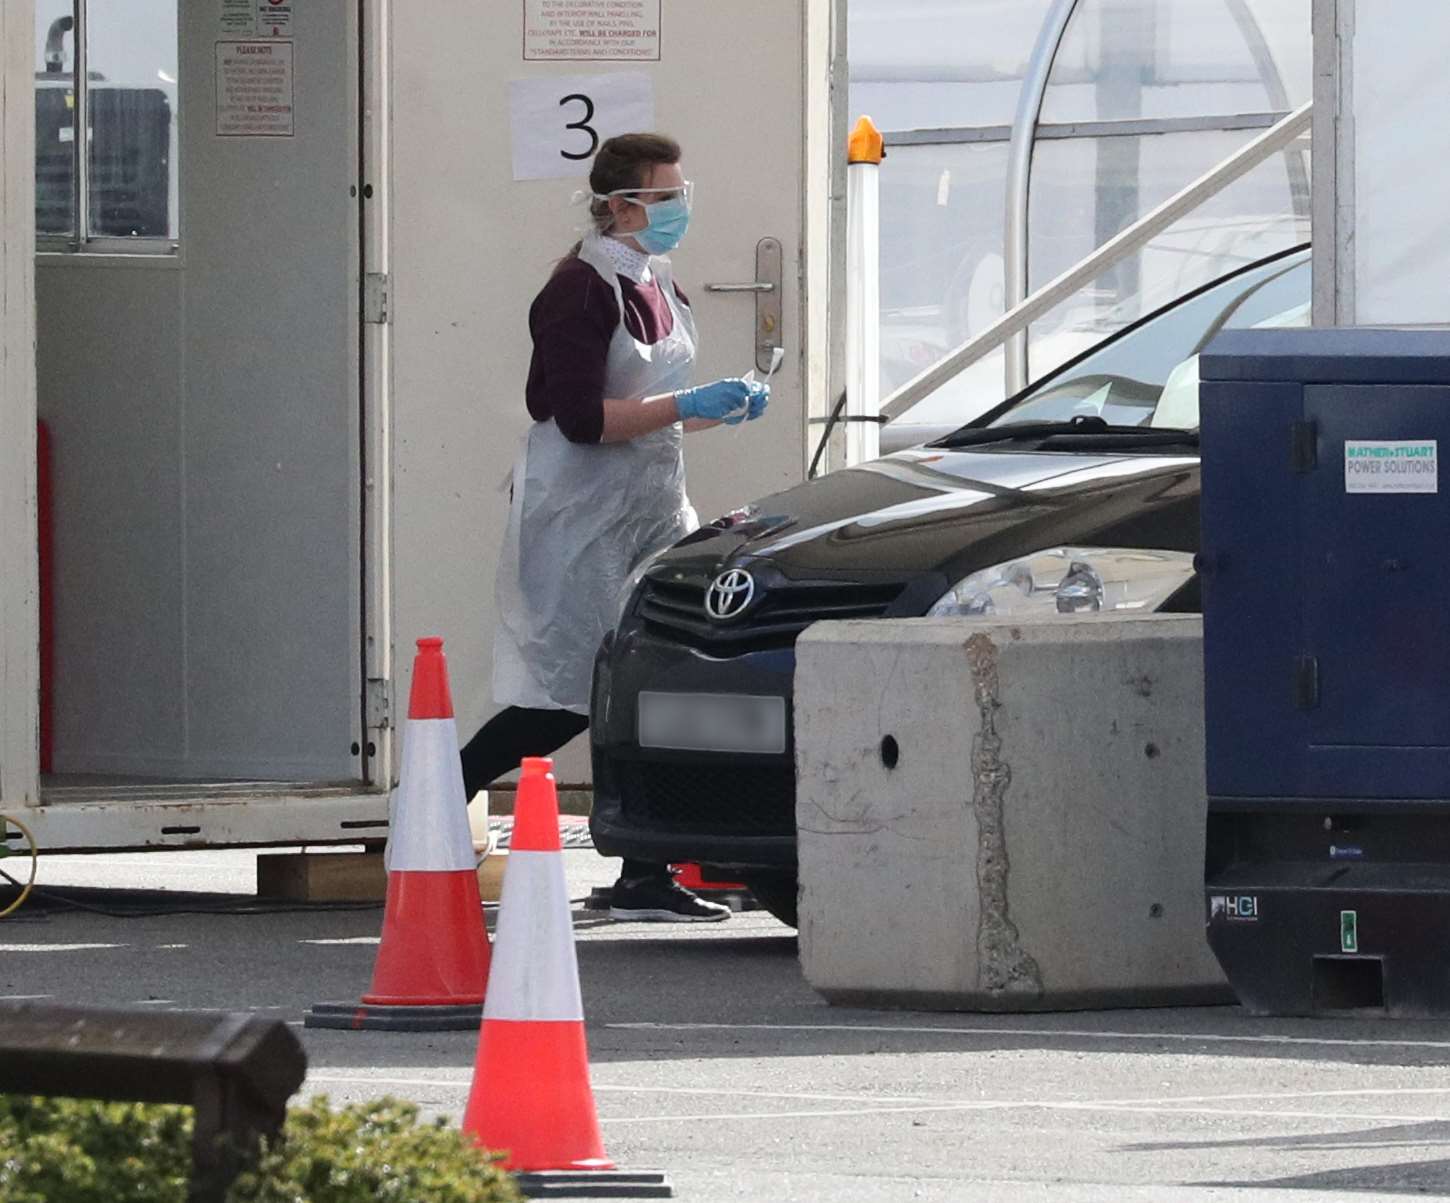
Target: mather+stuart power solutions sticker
{"points": [[1401, 466]]}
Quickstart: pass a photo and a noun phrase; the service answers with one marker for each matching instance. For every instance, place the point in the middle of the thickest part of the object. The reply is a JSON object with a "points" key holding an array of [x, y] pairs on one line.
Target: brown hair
{"points": [[623, 162]]}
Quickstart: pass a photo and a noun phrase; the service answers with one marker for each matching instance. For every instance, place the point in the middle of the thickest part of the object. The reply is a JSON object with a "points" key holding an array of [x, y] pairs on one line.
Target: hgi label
{"points": [[1404, 466], [1236, 908]]}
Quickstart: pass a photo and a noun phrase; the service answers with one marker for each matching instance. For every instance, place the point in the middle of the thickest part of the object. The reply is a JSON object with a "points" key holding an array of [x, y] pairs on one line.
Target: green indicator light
{"points": [[1348, 931]]}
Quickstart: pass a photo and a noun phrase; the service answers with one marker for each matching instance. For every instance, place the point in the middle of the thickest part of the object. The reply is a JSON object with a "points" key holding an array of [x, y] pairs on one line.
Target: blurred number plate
{"points": [[711, 722]]}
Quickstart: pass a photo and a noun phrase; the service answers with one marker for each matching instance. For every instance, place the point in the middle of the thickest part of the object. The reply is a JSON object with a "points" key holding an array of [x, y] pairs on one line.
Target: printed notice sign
{"points": [[254, 89], [591, 29], [239, 18], [1408, 466], [274, 18]]}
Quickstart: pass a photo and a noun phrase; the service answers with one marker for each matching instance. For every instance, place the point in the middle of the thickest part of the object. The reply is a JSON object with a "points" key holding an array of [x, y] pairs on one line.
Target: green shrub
{"points": [[79, 1151], [67, 1151], [374, 1152]]}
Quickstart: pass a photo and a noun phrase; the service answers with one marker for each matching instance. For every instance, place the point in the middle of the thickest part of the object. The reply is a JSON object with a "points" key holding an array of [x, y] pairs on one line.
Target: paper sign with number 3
{"points": [[557, 122]]}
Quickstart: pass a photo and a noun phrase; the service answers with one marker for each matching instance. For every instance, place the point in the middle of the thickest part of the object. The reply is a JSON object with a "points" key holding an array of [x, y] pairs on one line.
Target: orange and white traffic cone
{"points": [[433, 960], [531, 1097]]}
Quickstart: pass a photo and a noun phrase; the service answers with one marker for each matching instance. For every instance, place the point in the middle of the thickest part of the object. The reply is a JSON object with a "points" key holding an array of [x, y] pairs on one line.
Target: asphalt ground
{"points": [[714, 1061]]}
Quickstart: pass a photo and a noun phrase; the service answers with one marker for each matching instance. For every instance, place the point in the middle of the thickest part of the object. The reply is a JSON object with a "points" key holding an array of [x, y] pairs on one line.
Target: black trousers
{"points": [[515, 733]]}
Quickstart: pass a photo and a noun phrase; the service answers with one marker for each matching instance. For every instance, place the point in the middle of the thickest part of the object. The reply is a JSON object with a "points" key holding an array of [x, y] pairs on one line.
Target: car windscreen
{"points": [[1154, 365]]}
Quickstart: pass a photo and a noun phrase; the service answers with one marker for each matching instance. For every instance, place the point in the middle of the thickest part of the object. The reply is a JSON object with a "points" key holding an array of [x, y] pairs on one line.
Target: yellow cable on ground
{"points": [[34, 861]]}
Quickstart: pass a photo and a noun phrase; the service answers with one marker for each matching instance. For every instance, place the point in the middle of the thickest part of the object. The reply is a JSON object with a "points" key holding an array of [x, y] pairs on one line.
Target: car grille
{"points": [[782, 613], [713, 798]]}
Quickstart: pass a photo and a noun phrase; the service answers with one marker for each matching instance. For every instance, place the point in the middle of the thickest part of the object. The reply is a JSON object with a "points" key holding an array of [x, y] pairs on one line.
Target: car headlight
{"points": [[632, 582], [1070, 580]]}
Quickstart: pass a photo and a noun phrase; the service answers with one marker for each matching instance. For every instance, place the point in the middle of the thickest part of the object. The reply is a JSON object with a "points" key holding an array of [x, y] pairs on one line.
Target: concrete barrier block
{"points": [[1003, 816]]}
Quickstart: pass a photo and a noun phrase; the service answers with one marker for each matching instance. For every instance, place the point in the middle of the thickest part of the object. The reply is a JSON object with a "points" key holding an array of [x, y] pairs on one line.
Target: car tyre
{"points": [[776, 892]]}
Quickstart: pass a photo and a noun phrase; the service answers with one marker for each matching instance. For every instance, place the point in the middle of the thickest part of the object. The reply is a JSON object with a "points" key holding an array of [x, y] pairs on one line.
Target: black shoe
{"points": [[661, 900]]}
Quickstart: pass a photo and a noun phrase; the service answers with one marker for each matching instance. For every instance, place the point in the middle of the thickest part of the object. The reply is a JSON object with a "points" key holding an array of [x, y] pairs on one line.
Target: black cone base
{"points": [[595, 1184], [368, 1017]]}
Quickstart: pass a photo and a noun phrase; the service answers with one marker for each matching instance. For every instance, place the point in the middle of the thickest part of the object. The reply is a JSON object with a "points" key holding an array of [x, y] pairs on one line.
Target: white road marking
{"points": [[1186, 1105], [367, 1080], [608, 1088], [1123, 1104], [715, 1116], [910, 1108], [802, 1096], [345, 940], [1039, 1033], [1298, 1094], [58, 947], [1237, 1113]]}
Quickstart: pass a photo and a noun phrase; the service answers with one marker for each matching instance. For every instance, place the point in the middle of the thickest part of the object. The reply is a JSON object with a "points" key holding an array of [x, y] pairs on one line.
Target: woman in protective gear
{"points": [[599, 483]]}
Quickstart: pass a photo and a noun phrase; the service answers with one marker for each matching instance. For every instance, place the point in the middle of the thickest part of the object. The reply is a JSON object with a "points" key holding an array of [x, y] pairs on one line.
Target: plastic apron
{"points": [[584, 515]]}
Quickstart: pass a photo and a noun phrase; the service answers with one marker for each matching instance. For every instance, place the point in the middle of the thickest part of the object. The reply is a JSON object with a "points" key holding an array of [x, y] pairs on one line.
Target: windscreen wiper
{"points": [[1121, 438], [978, 436], [1079, 433]]}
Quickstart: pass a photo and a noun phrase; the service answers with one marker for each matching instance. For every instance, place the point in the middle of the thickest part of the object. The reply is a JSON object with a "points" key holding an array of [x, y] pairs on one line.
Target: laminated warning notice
{"points": [[239, 18], [1404, 466], [274, 18], [254, 89], [577, 30]]}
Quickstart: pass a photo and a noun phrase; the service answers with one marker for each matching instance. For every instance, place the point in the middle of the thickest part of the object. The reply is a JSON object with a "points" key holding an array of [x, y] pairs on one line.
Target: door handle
{"points": [[766, 286]]}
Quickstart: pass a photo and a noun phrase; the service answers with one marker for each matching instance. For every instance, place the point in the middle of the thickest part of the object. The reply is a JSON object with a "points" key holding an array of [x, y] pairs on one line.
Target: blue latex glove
{"points": [[714, 402], [759, 399], [756, 401]]}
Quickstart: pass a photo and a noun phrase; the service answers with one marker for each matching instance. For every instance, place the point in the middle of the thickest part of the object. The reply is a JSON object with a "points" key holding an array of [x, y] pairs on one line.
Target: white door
{"points": [[205, 417], [272, 490], [740, 116], [473, 244]]}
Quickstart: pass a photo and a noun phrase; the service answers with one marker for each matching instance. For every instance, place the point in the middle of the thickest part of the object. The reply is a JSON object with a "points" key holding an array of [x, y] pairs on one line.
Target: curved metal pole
{"points": [[1268, 68], [1264, 62], [1019, 179], [1271, 142]]}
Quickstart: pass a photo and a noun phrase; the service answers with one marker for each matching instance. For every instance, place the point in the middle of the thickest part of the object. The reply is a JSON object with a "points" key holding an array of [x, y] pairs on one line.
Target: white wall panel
{"points": [[1398, 175]]}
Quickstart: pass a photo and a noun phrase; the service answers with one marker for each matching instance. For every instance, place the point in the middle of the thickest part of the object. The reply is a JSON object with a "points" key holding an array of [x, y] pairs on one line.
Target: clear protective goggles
{"points": [[685, 192]]}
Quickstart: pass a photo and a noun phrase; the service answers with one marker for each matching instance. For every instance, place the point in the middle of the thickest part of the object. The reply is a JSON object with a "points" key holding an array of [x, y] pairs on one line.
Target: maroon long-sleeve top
{"points": [[572, 321]]}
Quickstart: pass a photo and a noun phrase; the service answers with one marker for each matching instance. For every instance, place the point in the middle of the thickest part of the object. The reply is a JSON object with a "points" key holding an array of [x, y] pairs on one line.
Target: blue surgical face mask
{"points": [[668, 221]]}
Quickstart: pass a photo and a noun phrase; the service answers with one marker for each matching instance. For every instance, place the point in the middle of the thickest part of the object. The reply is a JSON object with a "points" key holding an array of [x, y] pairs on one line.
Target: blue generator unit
{"points": [[1325, 569]]}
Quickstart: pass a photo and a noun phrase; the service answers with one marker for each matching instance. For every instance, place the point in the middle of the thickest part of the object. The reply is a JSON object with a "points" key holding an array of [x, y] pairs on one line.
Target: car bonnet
{"points": [[925, 509]]}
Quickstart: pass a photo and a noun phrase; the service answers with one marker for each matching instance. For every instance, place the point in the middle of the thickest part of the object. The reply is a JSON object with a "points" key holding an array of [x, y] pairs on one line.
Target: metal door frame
{"points": [[284, 816], [19, 589], [379, 708]]}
